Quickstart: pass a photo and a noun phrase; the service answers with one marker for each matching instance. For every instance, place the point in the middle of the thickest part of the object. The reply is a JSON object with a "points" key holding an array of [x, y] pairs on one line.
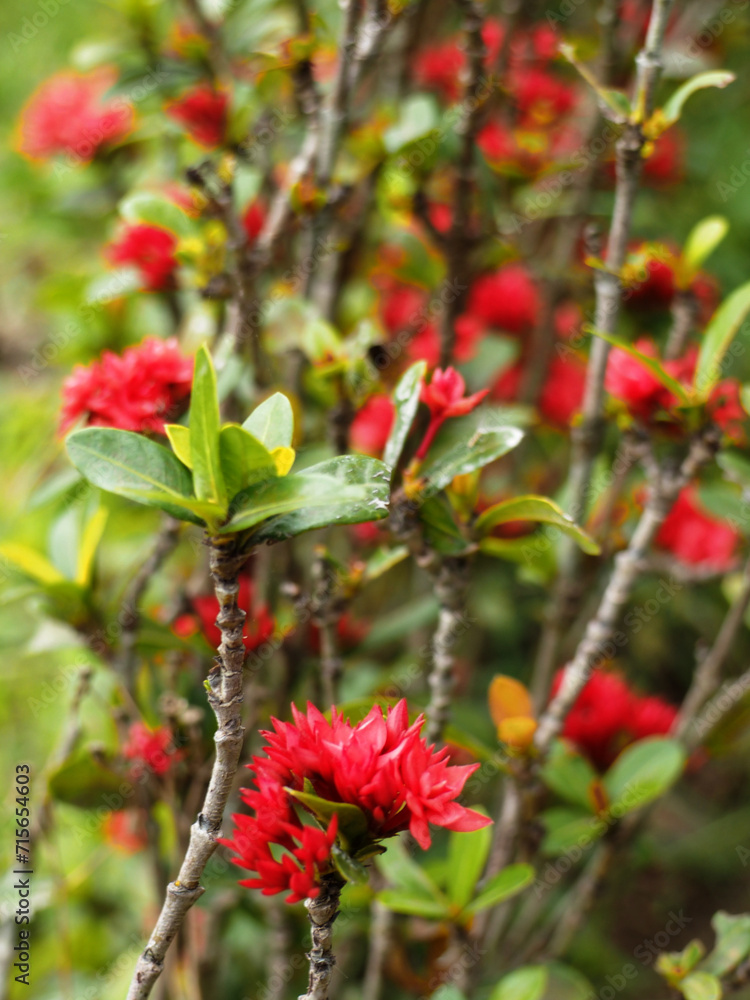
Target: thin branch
{"points": [[381, 930], [225, 695], [684, 313], [322, 912], [327, 608], [450, 586]]}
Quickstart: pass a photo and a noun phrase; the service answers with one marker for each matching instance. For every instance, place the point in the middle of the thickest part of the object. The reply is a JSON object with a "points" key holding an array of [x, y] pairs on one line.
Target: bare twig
{"points": [[450, 585], [328, 604], [322, 911], [684, 313], [381, 929], [225, 694]]}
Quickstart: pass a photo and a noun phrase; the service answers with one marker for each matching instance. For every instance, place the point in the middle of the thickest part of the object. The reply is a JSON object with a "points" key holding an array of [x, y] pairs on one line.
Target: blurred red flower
{"points": [[259, 623], [628, 380], [439, 68], [253, 220], [506, 299], [696, 537], [68, 114], [381, 765], [202, 111], [562, 392], [151, 249], [372, 425], [541, 97], [137, 391], [125, 829], [151, 748]]}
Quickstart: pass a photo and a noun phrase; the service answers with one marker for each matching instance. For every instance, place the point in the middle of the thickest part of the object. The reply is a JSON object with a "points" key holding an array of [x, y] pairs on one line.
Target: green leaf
{"points": [[272, 423], [179, 438], [406, 875], [142, 206], [416, 906], [90, 538], [458, 450], [527, 983], [418, 116], [83, 781], [700, 986], [672, 110], [467, 853], [352, 821], [204, 432], [439, 529], [534, 508], [344, 490], [568, 828], [31, 562], [651, 364], [382, 560], [348, 867], [568, 775], [643, 771], [507, 883], [718, 335], [701, 243], [406, 402], [732, 943], [244, 460], [448, 992], [735, 465], [133, 466]]}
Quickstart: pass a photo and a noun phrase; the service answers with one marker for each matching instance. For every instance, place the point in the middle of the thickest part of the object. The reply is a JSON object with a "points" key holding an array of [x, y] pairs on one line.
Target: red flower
{"points": [[126, 830], [633, 384], [203, 113], [507, 299], [444, 397], [653, 284], [259, 623], [696, 537], [608, 716], [508, 383], [138, 391], [149, 248], [727, 411], [425, 345], [562, 392], [665, 165], [497, 143], [372, 425], [68, 114], [253, 220], [439, 68], [381, 765], [403, 308], [541, 97], [151, 748]]}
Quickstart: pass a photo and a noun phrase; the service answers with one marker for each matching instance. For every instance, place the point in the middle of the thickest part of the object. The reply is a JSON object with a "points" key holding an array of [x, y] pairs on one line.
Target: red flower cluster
{"points": [[151, 249], [444, 397], [138, 391], [372, 425], [695, 537], [259, 623], [150, 748], [68, 114], [506, 300], [562, 392], [202, 111], [381, 765], [608, 716], [628, 380]]}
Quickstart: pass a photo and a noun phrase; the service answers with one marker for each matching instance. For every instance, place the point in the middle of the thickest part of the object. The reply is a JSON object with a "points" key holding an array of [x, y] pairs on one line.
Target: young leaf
{"points": [[204, 432], [31, 562], [179, 438], [534, 508], [701, 243], [467, 853], [90, 538], [352, 821], [142, 206], [651, 364], [507, 883], [244, 460], [133, 466], [407, 876], [719, 334], [643, 772], [569, 775], [406, 402], [272, 422], [527, 983], [700, 986], [458, 450], [732, 943], [672, 110], [415, 906], [348, 867], [419, 115], [283, 459]]}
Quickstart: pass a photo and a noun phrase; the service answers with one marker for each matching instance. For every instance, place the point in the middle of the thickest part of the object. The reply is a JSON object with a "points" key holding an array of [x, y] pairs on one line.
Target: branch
{"points": [[225, 695], [450, 584], [684, 313], [327, 606], [321, 912], [663, 491], [381, 930]]}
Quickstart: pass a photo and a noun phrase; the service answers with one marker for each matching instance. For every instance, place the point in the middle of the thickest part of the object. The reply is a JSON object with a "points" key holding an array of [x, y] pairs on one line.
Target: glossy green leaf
{"points": [[179, 438], [467, 853], [534, 508], [509, 882], [416, 906], [732, 943], [155, 210], [439, 529], [344, 490], [643, 771], [700, 986], [527, 983], [272, 422], [406, 402], [204, 432], [133, 466], [672, 110], [244, 460], [352, 821], [701, 243], [652, 365], [348, 867], [458, 449], [568, 775], [719, 334]]}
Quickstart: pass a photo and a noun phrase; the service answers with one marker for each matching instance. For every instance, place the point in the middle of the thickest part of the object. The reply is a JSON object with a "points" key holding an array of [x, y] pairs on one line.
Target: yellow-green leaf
{"points": [[92, 535], [179, 438], [31, 562]]}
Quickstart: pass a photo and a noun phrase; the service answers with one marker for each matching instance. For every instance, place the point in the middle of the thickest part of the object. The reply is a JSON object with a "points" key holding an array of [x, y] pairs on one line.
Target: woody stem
{"points": [[321, 912]]}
